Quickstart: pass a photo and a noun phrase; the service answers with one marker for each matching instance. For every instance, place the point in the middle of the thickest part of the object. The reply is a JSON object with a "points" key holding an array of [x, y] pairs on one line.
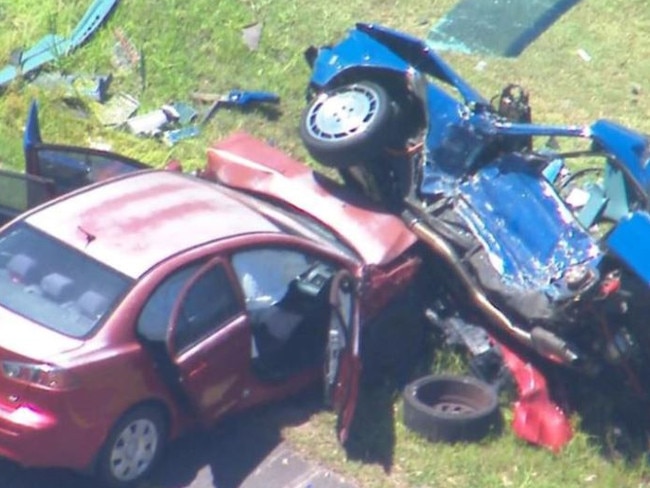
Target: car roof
{"points": [[133, 222]]}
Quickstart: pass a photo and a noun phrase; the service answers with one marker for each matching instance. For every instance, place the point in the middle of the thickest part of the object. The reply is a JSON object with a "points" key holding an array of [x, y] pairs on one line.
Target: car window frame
{"points": [[238, 309], [77, 156]]}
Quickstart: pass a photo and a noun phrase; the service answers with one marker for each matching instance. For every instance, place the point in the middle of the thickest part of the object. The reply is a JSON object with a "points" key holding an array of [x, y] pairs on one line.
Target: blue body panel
{"points": [[531, 235], [629, 241], [373, 47], [629, 146], [358, 50]]}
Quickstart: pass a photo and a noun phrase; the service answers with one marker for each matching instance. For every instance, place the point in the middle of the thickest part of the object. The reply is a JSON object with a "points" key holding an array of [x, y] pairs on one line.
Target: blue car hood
{"points": [[529, 234]]}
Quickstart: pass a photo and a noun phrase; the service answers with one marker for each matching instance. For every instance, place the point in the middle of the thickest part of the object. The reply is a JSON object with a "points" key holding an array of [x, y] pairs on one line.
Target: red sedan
{"points": [[140, 306]]}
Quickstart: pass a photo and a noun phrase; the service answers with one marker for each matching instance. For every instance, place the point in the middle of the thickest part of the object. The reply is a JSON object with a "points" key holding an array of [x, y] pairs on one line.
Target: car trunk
{"points": [[23, 341]]}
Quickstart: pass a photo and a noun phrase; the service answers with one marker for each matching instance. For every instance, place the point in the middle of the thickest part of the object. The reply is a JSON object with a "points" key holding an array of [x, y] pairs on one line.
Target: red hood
{"points": [[243, 162]]}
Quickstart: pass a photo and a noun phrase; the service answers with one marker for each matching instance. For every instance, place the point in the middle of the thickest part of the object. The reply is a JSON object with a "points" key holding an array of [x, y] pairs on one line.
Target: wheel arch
{"points": [[153, 402], [396, 83], [393, 81]]}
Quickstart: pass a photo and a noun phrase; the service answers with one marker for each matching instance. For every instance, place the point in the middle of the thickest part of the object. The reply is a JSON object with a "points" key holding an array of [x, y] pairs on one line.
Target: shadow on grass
{"points": [[617, 421], [372, 434]]}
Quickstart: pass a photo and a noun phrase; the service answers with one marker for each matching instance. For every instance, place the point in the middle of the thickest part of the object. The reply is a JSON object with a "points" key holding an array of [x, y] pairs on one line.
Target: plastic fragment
{"points": [[117, 110], [251, 34], [125, 54], [173, 136]]}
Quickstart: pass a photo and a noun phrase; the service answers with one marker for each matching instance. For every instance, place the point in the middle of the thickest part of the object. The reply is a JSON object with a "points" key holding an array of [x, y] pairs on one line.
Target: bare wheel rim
{"points": [[341, 114], [453, 407], [134, 450]]}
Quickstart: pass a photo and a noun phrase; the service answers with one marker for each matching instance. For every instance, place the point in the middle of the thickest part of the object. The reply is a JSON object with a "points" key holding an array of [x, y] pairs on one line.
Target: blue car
{"points": [[542, 229]]}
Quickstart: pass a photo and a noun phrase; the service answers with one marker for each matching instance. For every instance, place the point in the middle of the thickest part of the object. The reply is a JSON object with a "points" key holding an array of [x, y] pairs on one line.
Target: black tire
{"points": [[347, 125], [147, 429], [451, 408]]}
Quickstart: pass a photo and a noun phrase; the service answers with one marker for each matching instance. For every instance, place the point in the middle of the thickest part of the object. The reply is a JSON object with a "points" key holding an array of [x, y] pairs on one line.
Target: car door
{"points": [[209, 342], [342, 361], [20, 192], [70, 167]]}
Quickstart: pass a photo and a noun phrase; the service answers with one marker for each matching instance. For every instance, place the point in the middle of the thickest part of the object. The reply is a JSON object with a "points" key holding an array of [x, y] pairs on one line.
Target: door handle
{"points": [[198, 369]]}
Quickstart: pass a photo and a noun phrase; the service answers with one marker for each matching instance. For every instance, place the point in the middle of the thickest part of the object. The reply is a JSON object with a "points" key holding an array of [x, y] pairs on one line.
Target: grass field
{"points": [[197, 45]]}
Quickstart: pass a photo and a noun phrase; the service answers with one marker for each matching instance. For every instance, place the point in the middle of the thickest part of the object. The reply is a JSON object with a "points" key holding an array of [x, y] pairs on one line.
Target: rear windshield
{"points": [[55, 285]]}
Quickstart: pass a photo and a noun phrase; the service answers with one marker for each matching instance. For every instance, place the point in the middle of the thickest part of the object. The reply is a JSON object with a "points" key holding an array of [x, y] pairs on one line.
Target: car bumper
{"points": [[34, 437]]}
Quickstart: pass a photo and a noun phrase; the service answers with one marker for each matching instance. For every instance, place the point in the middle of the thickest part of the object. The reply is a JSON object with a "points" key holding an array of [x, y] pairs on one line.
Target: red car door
{"points": [[209, 341], [342, 360]]}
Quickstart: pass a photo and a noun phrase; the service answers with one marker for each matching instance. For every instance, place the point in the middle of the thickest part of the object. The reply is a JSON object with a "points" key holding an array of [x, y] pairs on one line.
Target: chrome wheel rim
{"points": [[134, 450], [342, 113]]}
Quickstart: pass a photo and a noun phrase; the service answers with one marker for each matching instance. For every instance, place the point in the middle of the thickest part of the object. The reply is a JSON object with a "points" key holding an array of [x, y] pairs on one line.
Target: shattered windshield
{"points": [[55, 285]]}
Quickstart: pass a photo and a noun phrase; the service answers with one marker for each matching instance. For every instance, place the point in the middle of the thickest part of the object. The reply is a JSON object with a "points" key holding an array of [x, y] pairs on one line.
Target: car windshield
{"points": [[53, 284]]}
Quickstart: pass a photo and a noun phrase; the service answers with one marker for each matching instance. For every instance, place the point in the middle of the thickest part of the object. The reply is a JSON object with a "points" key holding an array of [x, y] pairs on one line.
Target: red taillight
{"points": [[43, 375]]}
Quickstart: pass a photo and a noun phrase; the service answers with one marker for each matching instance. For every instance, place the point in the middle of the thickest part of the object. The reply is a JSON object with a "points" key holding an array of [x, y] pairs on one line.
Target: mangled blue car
{"points": [[541, 230]]}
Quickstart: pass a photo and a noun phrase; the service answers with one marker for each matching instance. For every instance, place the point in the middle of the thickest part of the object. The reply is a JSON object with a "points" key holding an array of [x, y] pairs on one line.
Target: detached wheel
{"points": [[451, 408], [347, 125], [133, 447]]}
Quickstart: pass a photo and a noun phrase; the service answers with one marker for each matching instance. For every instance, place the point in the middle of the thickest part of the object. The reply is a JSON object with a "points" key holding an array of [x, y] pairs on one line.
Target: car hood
{"points": [[530, 235], [246, 163]]}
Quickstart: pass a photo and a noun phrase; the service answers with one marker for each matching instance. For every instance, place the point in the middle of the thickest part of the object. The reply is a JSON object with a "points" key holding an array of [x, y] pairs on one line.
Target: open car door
{"points": [[20, 192], [208, 342], [342, 361], [70, 167]]}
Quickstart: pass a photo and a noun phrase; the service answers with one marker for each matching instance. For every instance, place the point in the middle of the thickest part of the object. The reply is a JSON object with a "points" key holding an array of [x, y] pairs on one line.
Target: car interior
{"points": [[287, 301]]}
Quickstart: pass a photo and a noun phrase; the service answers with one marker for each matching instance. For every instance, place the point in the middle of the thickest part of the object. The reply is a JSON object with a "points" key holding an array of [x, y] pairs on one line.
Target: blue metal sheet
{"points": [[528, 231], [629, 241]]}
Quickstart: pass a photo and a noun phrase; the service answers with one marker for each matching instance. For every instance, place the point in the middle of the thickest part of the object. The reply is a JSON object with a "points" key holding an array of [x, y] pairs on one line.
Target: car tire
{"points": [[133, 447], [347, 125], [447, 408]]}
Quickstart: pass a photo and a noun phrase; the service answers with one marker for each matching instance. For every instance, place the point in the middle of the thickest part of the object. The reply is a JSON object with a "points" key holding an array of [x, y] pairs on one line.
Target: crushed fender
{"points": [[537, 418]]}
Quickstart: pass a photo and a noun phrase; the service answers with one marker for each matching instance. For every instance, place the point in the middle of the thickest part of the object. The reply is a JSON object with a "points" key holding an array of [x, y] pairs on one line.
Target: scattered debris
{"points": [[173, 136], [76, 86], [481, 65], [584, 55], [151, 123], [171, 123], [184, 113], [251, 35], [126, 55], [53, 46], [117, 110], [238, 98]]}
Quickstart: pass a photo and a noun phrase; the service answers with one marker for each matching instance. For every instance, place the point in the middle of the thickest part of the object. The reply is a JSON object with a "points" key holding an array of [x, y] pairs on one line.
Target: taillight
{"points": [[43, 375]]}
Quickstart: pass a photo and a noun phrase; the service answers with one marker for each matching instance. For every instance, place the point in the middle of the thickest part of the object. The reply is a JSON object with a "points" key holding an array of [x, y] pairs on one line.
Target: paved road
{"points": [[246, 451]]}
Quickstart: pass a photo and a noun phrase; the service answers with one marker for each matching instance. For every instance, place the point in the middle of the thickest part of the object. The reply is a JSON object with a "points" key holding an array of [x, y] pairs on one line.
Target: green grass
{"points": [[197, 45]]}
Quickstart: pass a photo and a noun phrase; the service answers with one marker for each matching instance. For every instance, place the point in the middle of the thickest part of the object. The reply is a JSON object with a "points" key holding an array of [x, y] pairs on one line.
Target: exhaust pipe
{"points": [[541, 340]]}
